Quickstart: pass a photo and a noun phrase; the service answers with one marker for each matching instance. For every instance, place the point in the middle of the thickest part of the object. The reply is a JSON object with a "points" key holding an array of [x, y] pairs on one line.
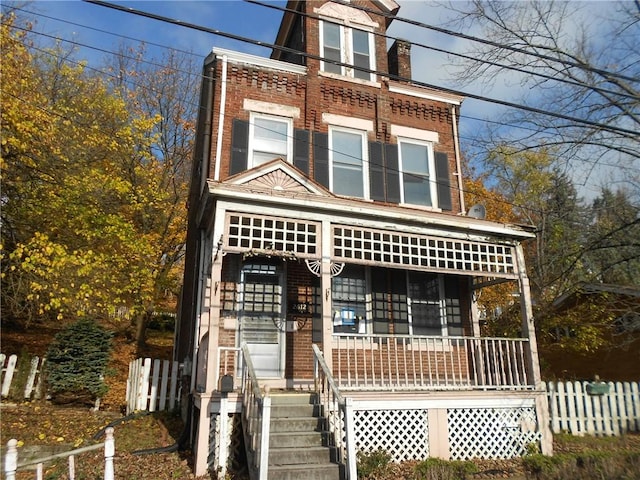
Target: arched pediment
{"points": [[346, 14]]}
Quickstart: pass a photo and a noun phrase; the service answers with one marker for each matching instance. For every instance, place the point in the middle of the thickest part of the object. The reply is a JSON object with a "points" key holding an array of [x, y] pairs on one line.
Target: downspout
{"points": [[207, 128], [456, 147], [223, 101], [196, 331]]}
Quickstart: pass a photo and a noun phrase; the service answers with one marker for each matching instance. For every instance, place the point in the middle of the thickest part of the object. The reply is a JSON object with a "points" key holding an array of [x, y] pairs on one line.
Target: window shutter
{"points": [[443, 181], [392, 174], [321, 158], [376, 171], [239, 146], [301, 150]]}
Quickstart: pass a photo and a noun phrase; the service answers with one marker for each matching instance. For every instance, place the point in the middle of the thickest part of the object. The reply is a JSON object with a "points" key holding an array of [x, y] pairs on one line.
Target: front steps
{"points": [[297, 442]]}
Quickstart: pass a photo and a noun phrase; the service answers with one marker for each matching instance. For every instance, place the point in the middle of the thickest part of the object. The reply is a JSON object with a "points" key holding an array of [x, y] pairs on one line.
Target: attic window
{"points": [[354, 47]]}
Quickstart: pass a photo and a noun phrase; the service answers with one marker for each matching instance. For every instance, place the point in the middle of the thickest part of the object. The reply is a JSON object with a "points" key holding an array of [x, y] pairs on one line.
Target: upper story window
{"points": [[417, 182], [348, 160], [269, 137], [347, 45]]}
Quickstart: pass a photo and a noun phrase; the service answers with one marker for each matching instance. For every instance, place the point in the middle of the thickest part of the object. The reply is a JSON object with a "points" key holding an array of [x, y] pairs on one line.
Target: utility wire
{"points": [[455, 54], [505, 103], [453, 33]]}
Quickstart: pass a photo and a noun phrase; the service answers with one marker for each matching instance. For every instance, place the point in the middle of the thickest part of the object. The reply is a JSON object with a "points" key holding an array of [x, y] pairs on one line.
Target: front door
{"points": [[260, 317]]}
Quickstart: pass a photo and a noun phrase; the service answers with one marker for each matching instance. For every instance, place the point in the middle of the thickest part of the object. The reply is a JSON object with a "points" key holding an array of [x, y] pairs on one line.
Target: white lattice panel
{"points": [[404, 434], [232, 441], [491, 432], [247, 232], [422, 251]]}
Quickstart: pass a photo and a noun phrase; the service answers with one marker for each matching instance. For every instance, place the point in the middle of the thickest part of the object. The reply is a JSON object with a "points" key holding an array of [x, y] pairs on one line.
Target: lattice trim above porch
{"points": [[253, 234]]}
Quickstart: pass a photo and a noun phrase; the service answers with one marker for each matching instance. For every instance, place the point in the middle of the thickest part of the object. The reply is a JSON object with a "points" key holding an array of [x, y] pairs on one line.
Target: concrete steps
{"points": [[297, 442]]}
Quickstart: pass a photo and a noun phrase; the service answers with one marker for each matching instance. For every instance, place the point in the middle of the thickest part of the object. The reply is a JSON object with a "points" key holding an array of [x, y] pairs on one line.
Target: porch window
{"points": [[270, 137], [349, 295], [339, 43], [417, 187], [425, 305], [348, 162]]}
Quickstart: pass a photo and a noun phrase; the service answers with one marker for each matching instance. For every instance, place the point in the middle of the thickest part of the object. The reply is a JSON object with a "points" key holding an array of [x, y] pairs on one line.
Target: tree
{"points": [[92, 210], [166, 88], [573, 60]]}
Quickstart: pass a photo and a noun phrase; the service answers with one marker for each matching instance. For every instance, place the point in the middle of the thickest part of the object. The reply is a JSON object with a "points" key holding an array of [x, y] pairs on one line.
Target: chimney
{"points": [[399, 58]]}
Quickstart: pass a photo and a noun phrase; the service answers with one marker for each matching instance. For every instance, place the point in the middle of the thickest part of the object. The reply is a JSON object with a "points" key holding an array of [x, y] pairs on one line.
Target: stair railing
{"points": [[256, 417], [337, 412]]}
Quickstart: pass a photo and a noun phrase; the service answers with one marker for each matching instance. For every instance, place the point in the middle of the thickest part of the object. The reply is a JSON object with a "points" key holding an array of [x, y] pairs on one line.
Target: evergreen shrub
{"points": [[77, 363]]}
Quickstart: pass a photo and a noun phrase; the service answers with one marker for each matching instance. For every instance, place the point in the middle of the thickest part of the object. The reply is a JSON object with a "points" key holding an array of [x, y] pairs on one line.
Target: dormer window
{"points": [[348, 45]]}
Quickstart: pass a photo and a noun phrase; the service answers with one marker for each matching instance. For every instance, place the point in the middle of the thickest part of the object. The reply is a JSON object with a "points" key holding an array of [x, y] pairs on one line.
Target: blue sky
{"points": [[98, 30]]}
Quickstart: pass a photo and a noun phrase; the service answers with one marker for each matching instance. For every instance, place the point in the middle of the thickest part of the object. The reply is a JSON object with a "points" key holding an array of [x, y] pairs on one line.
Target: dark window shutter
{"points": [[321, 158], [392, 175], [376, 171], [443, 181], [239, 146], [301, 150]]}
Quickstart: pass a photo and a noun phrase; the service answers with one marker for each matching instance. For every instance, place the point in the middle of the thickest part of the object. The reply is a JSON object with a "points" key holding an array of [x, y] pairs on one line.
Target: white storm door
{"points": [[260, 315]]}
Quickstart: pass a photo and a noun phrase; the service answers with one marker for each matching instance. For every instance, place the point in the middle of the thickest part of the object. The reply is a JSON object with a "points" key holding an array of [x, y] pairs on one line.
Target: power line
{"points": [[453, 33], [449, 52], [469, 139], [505, 103]]}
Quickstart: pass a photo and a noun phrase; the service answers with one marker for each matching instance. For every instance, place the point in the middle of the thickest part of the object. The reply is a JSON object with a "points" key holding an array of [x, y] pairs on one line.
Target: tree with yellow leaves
{"points": [[85, 228]]}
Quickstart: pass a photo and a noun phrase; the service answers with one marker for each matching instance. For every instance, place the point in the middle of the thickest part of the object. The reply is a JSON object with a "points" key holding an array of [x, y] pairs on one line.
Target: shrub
{"points": [[438, 469], [77, 362], [372, 463]]}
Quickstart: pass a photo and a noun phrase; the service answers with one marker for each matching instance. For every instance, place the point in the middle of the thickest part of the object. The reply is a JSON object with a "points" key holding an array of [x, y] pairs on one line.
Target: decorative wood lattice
{"points": [[236, 460], [422, 252], [491, 432], [404, 434], [271, 235]]}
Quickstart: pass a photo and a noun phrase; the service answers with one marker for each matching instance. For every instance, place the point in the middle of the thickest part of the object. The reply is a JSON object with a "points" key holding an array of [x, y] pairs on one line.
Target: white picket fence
{"points": [[152, 385], [33, 385], [576, 411], [11, 464]]}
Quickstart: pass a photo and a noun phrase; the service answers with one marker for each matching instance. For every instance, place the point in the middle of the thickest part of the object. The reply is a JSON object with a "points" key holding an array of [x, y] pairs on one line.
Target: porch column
{"points": [[212, 305], [325, 289], [529, 331]]}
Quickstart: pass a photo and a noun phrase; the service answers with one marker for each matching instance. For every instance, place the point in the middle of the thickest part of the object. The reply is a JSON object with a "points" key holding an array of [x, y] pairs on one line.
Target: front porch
{"points": [[415, 397]]}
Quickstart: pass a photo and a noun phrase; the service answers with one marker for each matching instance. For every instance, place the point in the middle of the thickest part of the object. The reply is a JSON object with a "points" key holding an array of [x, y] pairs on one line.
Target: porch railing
{"points": [[370, 362], [337, 412], [256, 417]]}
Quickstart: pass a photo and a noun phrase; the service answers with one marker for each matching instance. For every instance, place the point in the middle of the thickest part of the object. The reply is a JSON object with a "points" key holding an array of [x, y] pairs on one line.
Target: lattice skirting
{"points": [[236, 462], [491, 432], [404, 434]]}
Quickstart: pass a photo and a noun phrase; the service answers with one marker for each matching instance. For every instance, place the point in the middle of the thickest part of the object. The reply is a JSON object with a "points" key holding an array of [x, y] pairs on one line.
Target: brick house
{"points": [[330, 252]]}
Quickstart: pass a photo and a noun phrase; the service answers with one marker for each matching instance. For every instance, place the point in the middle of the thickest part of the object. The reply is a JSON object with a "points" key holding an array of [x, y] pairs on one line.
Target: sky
{"points": [[97, 30]]}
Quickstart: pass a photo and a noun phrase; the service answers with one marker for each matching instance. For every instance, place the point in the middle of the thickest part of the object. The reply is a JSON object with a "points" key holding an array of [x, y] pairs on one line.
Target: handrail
{"points": [[257, 417], [338, 413], [327, 372]]}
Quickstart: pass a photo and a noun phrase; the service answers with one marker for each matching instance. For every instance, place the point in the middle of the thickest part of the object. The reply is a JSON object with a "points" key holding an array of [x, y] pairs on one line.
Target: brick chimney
{"points": [[399, 58]]}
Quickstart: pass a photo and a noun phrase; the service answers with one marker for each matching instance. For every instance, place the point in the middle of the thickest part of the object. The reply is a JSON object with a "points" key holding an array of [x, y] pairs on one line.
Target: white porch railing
{"points": [[11, 464], [338, 414], [256, 418], [403, 362]]}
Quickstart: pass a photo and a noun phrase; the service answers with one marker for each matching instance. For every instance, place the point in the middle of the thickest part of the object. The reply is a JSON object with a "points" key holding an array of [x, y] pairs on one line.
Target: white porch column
{"points": [[529, 331], [212, 305], [325, 289]]}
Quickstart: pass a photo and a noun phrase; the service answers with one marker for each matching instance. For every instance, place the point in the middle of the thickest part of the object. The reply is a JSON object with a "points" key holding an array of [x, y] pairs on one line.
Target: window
{"points": [[348, 162], [349, 300], [417, 186], [270, 137], [387, 301], [346, 45]]}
